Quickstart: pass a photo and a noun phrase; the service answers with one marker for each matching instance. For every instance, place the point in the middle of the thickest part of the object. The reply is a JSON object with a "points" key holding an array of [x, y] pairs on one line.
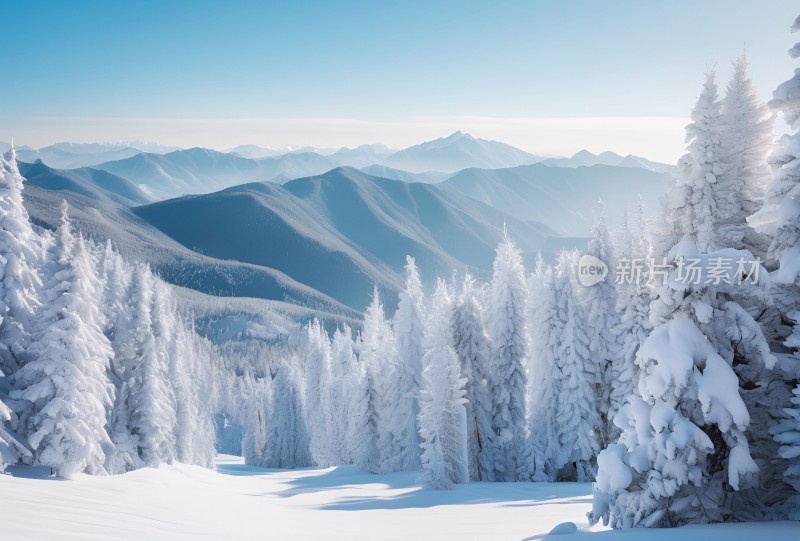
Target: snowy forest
{"points": [[679, 399]]}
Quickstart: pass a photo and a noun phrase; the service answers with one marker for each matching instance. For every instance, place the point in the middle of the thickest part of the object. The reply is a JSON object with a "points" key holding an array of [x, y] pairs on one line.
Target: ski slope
{"points": [[241, 502]]}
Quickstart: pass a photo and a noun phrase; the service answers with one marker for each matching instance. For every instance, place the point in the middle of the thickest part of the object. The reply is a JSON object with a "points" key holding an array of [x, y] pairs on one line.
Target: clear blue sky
{"points": [[330, 73]]}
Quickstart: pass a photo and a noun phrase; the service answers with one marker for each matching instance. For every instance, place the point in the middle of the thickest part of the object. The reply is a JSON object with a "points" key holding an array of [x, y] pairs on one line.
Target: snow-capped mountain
{"points": [[458, 151], [565, 198], [585, 158]]}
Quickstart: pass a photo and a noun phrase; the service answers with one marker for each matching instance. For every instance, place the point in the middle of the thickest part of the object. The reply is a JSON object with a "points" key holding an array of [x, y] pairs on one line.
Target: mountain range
{"points": [[163, 172], [566, 199], [299, 228], [585, 158], [341, 232]]}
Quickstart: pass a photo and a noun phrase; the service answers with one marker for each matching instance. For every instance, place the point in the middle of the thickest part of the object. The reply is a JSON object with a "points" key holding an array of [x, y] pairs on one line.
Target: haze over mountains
{"points": [[318, 228]]}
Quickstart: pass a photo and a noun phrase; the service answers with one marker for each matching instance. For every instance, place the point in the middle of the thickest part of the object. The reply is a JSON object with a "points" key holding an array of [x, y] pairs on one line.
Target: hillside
{"points": [[566, 199]]}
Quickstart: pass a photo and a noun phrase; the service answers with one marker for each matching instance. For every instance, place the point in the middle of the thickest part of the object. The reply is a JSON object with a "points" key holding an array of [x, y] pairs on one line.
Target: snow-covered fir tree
{"points": [[148, 401], [600, 305], [745, 142], [19, 259], [403, 400], [635, 293], [256, 394], [472, 347], [442, 417], [780, 217], [692, 204], [287, 441], [684, 454], [505, 319], [11, 449], [63, 390], [577, 422], [547, 320], [318, 395], [363, 430], [376, 353], [346, 381]]}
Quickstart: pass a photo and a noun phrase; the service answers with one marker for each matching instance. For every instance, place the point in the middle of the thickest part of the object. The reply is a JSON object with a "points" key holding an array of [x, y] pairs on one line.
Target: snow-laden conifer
{"points": [[442, 417]]}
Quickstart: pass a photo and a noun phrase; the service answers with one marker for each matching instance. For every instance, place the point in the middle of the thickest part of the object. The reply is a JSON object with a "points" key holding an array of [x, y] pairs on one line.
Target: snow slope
{"points": [[240, 502]]}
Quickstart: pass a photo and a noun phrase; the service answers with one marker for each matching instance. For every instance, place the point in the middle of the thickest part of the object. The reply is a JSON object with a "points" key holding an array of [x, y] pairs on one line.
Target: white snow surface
{"points": [[182, 502]]}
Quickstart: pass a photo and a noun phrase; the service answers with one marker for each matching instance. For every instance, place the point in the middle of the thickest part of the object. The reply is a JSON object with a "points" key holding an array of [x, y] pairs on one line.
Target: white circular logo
{"points": [[591, 270]]}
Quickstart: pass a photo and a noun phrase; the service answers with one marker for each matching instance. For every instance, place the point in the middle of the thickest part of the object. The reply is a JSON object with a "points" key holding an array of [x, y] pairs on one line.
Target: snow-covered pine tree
{"points": [[363, 430], [684, 453], [547, 320], [377, 355], [115, 276], [787, 433], [346, 381], [202, 366], [19, 279], [442, 417], [63, 389], [505, 318], [403, 400], [692, 205], [745, 142], [318, 395], [577, 421], [780, 217], [256, 399], [635, 293], [287, 435], [12, 450], [472, 347], [600, 306], [146, 404]]}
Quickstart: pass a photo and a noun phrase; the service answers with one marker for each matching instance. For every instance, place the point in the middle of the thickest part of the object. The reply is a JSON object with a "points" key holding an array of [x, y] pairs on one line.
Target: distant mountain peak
{"points": [[584, 154]]}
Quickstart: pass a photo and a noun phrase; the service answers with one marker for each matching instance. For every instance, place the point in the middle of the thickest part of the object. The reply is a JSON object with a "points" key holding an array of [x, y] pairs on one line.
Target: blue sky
{"points": [[342, 73]]}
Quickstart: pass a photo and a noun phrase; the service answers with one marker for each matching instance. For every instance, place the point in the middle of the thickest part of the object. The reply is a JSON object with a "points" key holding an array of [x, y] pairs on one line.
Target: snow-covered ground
{"points": [[241, 502]]}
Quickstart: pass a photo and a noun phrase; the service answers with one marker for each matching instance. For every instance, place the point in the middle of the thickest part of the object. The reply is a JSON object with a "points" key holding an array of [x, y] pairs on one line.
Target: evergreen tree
{"points": [[287, 434], [11, 449], [442, 417], [780, 217], [547, 321], [345, 388], [600, 305], [19, 280], [317, 395], [745, 142], [684, 453], [363, 431], [472, 347], [577, 422], [256, 394], [146, 403], [403, 401], [635, 293], [378, 355], [505, 314], [692, 205], [64, 389]]}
